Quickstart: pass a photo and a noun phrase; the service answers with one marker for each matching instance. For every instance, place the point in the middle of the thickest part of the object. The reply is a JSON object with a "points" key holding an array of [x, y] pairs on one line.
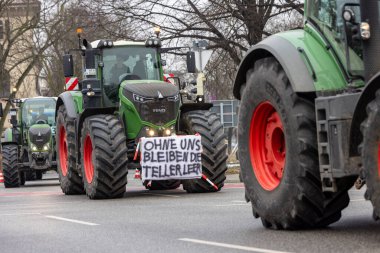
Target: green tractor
{"points": [[28, 146], [309, 118], [121, 100]]}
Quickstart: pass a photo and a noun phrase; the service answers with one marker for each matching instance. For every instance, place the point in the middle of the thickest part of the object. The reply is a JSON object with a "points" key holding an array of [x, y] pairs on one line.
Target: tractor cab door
{"points": [[326, 17]]}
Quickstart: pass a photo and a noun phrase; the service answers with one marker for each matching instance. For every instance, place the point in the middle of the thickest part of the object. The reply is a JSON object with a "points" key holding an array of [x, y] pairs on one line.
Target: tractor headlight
{"points": [[153, 42], [140, 99], [150, 132], [46, 147], [169, 131], [34, 147]]}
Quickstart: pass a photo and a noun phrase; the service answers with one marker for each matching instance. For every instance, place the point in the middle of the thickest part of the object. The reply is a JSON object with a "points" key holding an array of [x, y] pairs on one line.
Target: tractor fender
{"points": [[368, 94], [8, 138], [286, 54], [67, 99], [195, 106]]}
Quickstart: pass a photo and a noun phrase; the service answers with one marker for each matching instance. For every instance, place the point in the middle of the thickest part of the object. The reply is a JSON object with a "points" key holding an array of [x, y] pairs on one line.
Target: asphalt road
{"points": [[39, 218]]}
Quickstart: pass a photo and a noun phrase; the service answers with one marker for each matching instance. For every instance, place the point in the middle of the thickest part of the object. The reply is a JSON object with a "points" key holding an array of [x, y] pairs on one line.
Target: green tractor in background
{"points": [[122, 99], [28, 146], [309, 118]]}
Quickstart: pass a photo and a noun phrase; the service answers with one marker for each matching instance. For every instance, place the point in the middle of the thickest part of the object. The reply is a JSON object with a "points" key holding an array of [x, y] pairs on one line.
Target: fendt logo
{"points": [[159, 110]]}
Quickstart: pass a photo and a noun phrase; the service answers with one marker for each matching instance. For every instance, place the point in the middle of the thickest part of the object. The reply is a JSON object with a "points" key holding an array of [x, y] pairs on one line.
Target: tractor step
{"points": [[334, 115]]}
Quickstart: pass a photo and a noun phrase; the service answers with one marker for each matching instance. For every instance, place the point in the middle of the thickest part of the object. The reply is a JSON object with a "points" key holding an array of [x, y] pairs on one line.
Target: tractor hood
{"points": [[156, 102], [150, 89], [39, 134]]}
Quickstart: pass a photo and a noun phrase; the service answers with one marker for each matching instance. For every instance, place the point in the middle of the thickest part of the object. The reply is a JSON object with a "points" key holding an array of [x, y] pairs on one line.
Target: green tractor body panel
{"points": [[328, 75], [8, 136], [78, 100]]}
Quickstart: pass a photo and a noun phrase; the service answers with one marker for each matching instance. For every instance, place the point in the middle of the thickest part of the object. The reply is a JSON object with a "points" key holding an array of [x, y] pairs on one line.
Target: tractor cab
{"points": [[38, 111], [127, 64]]}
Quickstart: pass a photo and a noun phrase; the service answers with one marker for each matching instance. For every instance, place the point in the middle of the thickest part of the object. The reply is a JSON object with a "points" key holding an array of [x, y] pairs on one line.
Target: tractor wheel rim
{"points": [[63, 150], [87, 155], [267, 146]]}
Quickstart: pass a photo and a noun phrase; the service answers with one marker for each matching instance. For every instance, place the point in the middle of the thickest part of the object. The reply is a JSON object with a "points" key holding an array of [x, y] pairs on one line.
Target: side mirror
{"points": [[191, 67], [68, 65], [90, 62], [1, 110], [353, 40], [13, 114]]}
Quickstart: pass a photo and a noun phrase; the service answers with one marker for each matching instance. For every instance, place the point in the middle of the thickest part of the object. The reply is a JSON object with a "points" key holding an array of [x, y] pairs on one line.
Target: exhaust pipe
{"points": [[371, 37]]}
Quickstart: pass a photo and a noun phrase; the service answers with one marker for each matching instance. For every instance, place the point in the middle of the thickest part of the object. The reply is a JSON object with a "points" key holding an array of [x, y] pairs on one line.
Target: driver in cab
{"points": [[119, 69], [42, 117]]}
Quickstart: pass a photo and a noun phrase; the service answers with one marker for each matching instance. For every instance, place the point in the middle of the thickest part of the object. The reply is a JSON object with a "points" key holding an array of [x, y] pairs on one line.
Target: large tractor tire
{"points": [[370, 151], [11, 173], [104, 157], [163, 185], [214, 155], [71, 182], [278, 154]]}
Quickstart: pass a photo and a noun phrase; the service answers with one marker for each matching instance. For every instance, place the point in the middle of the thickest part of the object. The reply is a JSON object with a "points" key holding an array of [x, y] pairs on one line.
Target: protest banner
{"points": [[173, 157]]}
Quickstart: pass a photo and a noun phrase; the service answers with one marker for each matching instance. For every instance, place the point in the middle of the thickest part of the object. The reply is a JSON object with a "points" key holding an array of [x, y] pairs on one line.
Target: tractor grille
{"points": [[39, 136], [158, 112]]}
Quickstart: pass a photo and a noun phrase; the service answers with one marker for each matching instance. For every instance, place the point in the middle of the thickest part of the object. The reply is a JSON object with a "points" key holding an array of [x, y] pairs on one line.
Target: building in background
{"points": [[14, 17], [18, 19]]}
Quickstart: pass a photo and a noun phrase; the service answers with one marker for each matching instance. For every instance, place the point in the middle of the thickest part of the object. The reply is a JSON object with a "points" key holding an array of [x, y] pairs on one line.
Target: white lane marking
{"points": [[233, 205], [231, 246], [14, 214], [355, 200], [55, 204], [239, 201], [162, 195], [71, 220]]}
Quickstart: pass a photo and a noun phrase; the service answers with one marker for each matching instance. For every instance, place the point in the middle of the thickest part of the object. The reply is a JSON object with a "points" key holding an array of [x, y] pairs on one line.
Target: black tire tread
{"points": [[71, 184], [368, 149], [214, 155], [9, 164], [109, 141]]}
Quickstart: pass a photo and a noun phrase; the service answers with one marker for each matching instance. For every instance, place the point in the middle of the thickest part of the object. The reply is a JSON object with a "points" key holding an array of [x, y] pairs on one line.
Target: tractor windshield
{"points": [[38, 110], [327, 16], [130, 63]]}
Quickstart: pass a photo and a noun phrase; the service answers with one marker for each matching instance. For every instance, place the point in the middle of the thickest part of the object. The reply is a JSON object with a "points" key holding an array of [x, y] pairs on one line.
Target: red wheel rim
{"points": [[267, 146], [87, 156], [63, 150]]}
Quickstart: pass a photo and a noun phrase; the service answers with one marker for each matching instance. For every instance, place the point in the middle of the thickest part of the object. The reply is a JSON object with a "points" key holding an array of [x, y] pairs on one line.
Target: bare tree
{"points": [[27, 35], [230, 27]]}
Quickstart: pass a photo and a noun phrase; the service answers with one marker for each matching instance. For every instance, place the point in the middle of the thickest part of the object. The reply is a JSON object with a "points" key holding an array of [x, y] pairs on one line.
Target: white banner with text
{"points": [[173, 157]]}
